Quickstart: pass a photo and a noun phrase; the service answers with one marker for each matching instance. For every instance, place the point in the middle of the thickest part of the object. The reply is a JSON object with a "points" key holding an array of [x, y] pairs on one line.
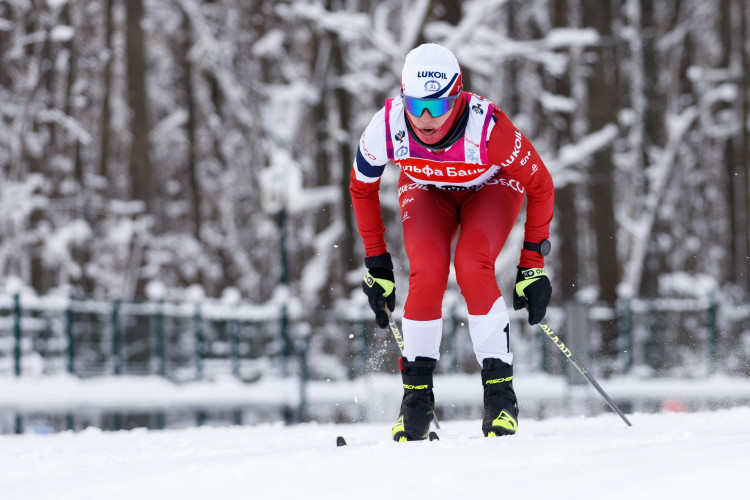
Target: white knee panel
{"points": [[489, 333], [422, 338]]}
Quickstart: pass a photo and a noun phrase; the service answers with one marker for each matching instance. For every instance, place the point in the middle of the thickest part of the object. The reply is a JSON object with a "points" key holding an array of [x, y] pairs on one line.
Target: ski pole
{"points": [[566, 351], [393, 327], [394, 330]]}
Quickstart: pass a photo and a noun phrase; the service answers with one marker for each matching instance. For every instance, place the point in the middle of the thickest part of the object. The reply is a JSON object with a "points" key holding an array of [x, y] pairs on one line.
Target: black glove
{"points": [[533, 290], [379, 286]]}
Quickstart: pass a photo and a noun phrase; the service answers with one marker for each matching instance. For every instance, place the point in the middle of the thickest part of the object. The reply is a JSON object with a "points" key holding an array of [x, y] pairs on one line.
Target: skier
{"points": [[463, 165]]}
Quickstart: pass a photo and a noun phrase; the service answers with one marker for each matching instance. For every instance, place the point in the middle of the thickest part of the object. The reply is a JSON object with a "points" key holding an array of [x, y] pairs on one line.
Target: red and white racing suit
{"points": [[477, 185]]}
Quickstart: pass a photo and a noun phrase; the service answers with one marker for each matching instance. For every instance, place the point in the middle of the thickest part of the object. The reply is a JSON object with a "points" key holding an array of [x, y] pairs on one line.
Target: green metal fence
{"points": [[191, 341], [188, 341], [181, 341]]}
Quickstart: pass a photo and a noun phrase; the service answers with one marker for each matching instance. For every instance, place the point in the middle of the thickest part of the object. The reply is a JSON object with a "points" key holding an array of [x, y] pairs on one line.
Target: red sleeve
{"points": [[366, 203], [514, 152]]}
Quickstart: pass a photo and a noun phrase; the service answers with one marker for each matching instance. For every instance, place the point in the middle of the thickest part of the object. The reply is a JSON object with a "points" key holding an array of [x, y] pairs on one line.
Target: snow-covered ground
{"points": [[667, 455]]}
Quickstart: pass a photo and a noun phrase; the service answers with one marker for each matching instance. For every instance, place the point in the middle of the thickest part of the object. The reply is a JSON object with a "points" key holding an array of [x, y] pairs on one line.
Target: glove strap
{"points": [[387, 285], [529, 276]]}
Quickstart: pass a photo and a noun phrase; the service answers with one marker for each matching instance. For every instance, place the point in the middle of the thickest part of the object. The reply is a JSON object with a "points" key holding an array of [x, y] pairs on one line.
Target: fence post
{"points": [[234, 343], [71, 350], [713, 333], [161, 365], [303, 345], [284, 282], [117, 418], [199, 341], [116, 338], [285, 343], [626, 334], [17, 334]]}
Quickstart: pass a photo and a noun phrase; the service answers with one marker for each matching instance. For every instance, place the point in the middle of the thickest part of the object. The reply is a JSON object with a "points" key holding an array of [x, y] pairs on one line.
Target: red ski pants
{"points": [[431, 218]]}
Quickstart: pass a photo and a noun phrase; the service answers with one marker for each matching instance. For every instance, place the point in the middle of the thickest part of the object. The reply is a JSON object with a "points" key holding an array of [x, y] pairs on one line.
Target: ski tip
{"points": [[340, 441], [434, 436]]}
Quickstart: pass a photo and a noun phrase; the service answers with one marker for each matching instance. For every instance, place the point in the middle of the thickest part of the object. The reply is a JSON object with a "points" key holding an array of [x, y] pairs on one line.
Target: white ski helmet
{"points": [[431, 72]]}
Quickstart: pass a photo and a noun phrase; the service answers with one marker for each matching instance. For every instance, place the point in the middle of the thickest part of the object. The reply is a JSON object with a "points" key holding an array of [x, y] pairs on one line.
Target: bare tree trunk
{"points": [[448, 11], [652, 112], [343, 100], [68, 108], [744, 136], [231, 269], [190, 131], [80, 253], [105, 123], [141, 176], [565, 196], [735, 178], [510, 101], [6, 38], [38, 160], [602, 95]]}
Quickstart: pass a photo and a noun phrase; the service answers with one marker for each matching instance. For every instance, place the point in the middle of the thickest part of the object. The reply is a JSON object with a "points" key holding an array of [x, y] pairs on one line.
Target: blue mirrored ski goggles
{"points": [[436, 107]]}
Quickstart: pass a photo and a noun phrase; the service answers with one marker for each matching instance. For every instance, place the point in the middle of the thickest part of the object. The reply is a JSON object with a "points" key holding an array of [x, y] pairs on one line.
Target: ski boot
{"points": [[500, 405], [418, 403]]}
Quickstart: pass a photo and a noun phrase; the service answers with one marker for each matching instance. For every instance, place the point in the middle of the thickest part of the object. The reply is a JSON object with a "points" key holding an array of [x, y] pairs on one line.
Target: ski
{"points": [[432, 436]]}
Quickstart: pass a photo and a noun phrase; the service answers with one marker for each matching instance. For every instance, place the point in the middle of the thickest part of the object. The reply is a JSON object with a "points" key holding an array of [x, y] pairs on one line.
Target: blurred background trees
{"points": [[209, 142]]}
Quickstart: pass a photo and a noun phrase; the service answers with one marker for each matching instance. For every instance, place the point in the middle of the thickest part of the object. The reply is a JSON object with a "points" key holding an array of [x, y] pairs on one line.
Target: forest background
{"points": [[155, 148]]}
